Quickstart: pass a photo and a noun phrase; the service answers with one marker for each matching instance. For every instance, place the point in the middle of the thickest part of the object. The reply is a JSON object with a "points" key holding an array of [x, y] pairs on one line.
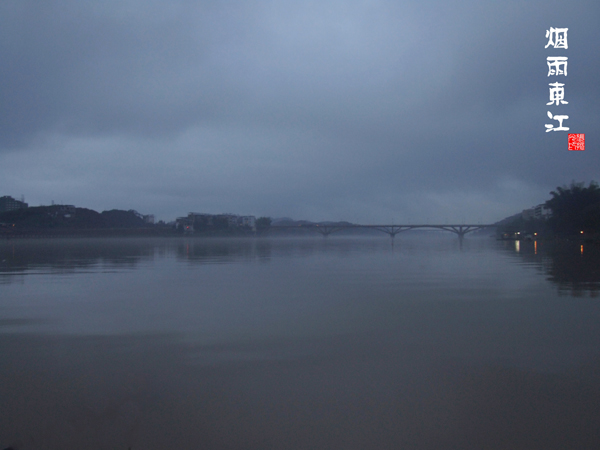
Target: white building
{"points": [[248, 221], [537, 212], [203, 221], [541, 212]]}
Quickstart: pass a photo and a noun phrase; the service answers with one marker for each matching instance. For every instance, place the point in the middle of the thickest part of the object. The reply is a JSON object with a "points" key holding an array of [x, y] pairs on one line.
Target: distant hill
{"points": [[116, 218], [69, 217], [509, 220]]}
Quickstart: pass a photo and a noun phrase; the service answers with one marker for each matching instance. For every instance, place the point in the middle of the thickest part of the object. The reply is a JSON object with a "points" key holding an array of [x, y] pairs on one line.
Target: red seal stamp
{"points": [[576, 141]]}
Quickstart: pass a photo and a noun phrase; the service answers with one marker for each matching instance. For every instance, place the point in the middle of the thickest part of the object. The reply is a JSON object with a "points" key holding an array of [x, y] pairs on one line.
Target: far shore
{"points": [[165, 232]]}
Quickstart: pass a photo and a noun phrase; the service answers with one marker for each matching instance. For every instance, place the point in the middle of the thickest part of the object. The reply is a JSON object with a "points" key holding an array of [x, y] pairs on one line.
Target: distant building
{"points": [[149, 218], [248, 221], [200, 221], [10, 204], [541, 212], [66, 211], [528, 214], [230, 219], [537, 212], [186, 224], [234, 221]]}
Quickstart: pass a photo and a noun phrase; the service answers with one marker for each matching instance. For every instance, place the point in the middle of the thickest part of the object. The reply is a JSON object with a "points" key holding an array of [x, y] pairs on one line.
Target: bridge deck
{"points": [[392, 230], [385, 226]]}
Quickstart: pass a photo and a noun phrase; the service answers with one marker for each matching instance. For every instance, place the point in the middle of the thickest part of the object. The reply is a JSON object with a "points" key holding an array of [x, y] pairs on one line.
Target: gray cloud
{"points": [[364, 110]]}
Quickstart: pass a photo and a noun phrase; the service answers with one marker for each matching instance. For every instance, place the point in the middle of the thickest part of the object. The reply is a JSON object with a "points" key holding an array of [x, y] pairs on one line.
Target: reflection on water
{"points": [[299, 344], [567, 265], [72, 255]]}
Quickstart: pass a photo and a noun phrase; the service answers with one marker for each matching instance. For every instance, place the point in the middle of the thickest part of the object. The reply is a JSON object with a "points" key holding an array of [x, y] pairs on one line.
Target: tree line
{"points": [[575, 211]]}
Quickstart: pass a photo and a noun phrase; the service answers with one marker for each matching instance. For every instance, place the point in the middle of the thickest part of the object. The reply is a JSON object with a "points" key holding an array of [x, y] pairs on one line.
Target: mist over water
{"points": [[299, 343]]}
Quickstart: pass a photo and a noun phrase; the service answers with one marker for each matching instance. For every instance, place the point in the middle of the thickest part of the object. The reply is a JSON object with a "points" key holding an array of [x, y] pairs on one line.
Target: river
{"points": [[308, 343]]}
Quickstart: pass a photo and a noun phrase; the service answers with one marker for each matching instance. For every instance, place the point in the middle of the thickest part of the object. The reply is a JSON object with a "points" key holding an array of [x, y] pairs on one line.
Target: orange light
{"points": [[581, 232]]}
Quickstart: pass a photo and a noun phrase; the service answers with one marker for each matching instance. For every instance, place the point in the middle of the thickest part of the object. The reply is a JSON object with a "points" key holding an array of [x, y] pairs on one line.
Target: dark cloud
{"points": [[364, 110]]}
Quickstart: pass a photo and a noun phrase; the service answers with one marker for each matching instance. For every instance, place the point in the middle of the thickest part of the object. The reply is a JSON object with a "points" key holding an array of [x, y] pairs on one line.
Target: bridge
{"points": [[391, 230]]}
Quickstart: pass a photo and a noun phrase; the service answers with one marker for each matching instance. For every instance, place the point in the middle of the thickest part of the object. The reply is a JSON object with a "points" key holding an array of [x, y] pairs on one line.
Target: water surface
{"points": [[334, 343]]}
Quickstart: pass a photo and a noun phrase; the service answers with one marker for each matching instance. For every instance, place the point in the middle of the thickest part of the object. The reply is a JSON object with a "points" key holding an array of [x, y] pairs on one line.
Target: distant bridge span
{"points": [[392, 230]]}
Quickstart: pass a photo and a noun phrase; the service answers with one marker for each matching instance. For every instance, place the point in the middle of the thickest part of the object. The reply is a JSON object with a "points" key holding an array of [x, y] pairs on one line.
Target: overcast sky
{"points": [[366, 111]]}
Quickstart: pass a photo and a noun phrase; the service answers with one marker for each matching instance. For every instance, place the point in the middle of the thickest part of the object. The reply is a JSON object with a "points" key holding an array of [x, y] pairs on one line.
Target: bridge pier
{"points": [[392, 230], [461, 230], [326, 231]]}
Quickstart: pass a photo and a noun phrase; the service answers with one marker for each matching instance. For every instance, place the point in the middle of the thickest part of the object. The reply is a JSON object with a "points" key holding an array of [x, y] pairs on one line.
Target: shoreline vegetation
{"points": [[136, 233], [169, 232], [575, 215]]}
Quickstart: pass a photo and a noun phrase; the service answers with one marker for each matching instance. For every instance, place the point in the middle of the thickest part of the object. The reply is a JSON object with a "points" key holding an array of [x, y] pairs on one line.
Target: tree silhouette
{"points": [[263, 222], [575, 208]]}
